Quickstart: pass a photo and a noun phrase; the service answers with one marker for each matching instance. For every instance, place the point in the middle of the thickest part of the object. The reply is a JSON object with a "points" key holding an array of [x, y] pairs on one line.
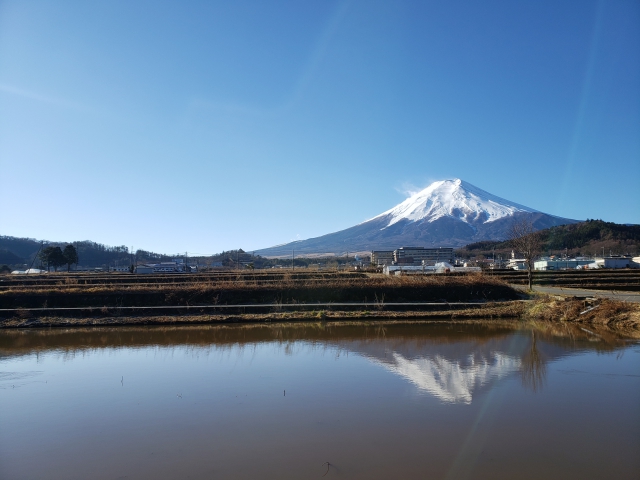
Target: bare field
{"points": [[265, 297], [284, 289]]}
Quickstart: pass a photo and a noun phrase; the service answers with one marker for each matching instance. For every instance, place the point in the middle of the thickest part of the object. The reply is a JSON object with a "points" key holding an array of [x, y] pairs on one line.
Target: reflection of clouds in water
{"points": [[449, 380]]}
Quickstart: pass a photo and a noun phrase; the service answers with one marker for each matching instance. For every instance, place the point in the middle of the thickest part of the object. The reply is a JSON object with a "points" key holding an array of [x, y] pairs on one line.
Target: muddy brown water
{"points": [[366, 401]]}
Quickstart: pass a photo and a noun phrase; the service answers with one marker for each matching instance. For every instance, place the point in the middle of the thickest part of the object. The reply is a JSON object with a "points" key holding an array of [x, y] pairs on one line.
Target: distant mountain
{"points": [[446, 213]]}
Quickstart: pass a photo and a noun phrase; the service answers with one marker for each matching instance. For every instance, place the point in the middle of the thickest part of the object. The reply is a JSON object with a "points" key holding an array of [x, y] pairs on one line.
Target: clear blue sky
{"points": [[203, 126]]}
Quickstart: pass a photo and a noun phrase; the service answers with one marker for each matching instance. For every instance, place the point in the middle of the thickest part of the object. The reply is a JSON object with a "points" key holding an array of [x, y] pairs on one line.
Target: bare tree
{"points": [[526, 241], [534, 368]]}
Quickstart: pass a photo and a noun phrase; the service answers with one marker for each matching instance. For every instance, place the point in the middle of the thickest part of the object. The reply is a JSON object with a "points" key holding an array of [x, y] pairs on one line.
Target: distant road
{"points": [[579, 292]]}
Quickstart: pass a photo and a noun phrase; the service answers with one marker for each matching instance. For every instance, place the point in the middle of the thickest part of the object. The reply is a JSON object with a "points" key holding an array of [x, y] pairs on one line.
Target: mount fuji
{"points": [[446, 213]]}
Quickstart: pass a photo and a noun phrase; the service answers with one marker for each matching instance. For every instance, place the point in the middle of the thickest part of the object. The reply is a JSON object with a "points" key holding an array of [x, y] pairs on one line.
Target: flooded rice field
{"points": [[365, 401]]}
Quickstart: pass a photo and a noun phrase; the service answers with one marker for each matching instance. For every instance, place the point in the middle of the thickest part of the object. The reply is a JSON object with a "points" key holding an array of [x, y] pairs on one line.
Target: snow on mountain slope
{"points": [[452, 198], [446, 213], [451, 381]]}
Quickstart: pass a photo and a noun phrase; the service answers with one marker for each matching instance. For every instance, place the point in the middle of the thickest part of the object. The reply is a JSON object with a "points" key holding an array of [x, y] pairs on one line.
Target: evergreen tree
{"points": [[70, 256], [52, 257]]}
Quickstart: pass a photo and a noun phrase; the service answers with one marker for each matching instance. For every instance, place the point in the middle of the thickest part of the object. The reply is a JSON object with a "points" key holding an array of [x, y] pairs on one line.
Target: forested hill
{"points": [[583, 238], [18, 252]]}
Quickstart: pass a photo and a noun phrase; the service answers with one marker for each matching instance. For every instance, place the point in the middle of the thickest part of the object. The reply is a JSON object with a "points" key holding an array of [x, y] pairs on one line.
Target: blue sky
{"points": [[203, 126]]}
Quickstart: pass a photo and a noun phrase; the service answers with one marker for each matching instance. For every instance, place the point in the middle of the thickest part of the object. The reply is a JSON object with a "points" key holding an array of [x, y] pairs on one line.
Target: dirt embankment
{"points": [[287, 298], [600, 311], [491, 310], [379, 289], [621, 317]]}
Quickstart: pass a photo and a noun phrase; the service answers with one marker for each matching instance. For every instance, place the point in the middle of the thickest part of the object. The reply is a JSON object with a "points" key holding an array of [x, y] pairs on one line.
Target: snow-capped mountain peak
{"points": [[456, 199], [446, 213]]}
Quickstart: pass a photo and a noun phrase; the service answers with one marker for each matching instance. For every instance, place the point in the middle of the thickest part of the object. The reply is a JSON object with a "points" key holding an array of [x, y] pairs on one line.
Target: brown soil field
{"points": [[255, 290]]}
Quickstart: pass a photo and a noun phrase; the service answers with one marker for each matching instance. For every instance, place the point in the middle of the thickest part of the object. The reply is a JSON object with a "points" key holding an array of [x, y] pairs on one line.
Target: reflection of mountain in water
{"points": [[452, 368], [450, 362], [452, 381]]}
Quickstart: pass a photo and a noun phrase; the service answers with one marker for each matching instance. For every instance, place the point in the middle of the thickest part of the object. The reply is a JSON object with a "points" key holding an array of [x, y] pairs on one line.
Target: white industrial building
{"points": [[614, 262], [176, 266], [545, 264], [440, 267]]}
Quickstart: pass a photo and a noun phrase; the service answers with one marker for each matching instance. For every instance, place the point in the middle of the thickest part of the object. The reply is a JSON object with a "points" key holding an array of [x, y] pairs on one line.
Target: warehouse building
{"points": [[560, 264]]}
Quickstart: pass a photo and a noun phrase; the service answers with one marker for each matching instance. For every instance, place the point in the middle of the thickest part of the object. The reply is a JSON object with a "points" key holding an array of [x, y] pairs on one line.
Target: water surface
{"points": [[319, 401]]}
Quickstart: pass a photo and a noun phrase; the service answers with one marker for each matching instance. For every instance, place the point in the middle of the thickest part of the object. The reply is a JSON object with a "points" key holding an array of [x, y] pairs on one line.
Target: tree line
{"points": [[56, 257], [581, 238]]}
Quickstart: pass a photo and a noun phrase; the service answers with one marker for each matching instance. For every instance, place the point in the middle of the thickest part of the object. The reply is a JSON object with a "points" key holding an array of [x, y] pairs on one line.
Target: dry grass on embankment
{"points": [[601, 311], [373, 288], [106, 304], [544, 311], [488, 311], [258, 282]]}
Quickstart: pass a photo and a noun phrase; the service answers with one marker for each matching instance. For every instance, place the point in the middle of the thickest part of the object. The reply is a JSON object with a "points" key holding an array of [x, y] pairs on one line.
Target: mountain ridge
{"points": [[446, 213]]}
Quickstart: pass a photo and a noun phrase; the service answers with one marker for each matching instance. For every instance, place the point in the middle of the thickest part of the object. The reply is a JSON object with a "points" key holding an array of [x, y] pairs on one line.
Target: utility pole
{"points": [[293, 260], [34, 258]]}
